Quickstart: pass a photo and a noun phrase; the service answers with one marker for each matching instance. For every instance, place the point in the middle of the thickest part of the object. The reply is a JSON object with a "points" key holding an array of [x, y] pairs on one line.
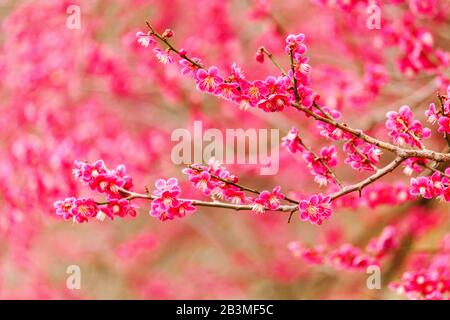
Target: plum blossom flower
{"points": [[404, 129], [270, 200], [361, 156], [120, 208], [162, 185], [348, 257], [208, 80], [145, 39], [167, 205], [444, 124], [292, 141], [188, 67], [428, 187], [414, 165], [163, 56], [313, 256], [63, 207], [83, 209], [315, 209], [328, 157], [385, 243], [295, 43], [202, 181], [259, 56], [274, 103], [432, 113]]}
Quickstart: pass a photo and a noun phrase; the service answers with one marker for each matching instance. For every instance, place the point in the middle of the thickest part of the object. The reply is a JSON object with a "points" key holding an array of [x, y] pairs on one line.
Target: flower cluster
{"points": [[330, 131], [267, 200], [414, 165], [404, 129], [292, 141], [111, 182], [385, 243], [102, 180], [440, 115], [214, 180], [345, 257], [376, 195], [316, 209], [361, 156], [436, 185], [166, 204], [430, 282], [348, 257], [320, 165], [272, 94]]}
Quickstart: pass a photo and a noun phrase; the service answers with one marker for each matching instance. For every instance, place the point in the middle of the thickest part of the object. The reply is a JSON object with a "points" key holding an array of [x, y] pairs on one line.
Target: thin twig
{"points": [[241, 187], [359, 186]]}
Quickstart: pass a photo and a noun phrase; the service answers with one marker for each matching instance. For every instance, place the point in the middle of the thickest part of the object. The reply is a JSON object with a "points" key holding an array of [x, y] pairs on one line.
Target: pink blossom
{"points": [[208, 80], [259, 56], [162, 185], [120, 208], [292, 141], [188, 67], [432, 113], [315, 209], [326, 158], [163, 56], [385, 243], [444, 124], [270, 200], [295, 43], [145, 39], [63, 207], [348, 257], [404, 129], [274, 103], [83, 209]]}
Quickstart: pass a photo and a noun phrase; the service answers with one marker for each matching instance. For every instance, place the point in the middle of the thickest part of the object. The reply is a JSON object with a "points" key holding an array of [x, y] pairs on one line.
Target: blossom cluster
{"points": [[376, 195], [272, 94], [440, 115], [166, 204], [434, 186], [99, 178], [320, 164], [346, 256], [316, 209], [216, 181], [404, 129], [431, 282]]}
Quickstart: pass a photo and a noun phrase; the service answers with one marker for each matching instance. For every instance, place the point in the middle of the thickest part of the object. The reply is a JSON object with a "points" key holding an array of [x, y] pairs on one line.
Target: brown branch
{"points": [[130, 195], [272, 59], [359, 186], [171, 47], [402, 152], [241, 187]]}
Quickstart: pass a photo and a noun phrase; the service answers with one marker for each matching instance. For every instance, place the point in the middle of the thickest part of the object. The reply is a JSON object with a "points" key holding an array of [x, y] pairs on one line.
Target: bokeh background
{"points": [[94, 93]]}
